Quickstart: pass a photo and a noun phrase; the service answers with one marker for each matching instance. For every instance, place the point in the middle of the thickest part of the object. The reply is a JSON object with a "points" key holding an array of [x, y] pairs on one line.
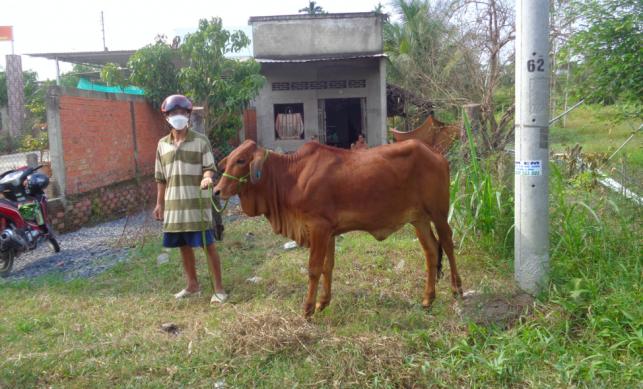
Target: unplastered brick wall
{"points": [[102, 149], [106, 138]]}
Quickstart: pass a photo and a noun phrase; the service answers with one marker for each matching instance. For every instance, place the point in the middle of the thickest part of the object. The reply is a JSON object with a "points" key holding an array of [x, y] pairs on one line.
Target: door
{"points": [[343, 121]]}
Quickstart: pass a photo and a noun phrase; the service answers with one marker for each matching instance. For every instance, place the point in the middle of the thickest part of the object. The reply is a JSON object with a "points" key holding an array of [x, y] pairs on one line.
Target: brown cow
{"points": [[437, 135], [321, 191]]}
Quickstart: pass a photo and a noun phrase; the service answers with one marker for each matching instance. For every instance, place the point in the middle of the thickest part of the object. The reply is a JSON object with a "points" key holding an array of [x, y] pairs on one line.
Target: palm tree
{"points": [[312, 9], [423, 51]]}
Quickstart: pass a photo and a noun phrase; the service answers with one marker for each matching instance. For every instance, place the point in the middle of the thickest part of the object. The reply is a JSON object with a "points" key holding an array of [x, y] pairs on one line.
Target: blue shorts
{"points": [[190, 238]]}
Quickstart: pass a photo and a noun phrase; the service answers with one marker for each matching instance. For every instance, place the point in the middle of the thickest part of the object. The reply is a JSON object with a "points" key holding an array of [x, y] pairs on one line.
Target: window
{"points": [[357, 83], [289, 121], [299, 85], [277, 86]]}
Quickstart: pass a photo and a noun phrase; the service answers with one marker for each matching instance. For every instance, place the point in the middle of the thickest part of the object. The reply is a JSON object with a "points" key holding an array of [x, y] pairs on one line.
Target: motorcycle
{"points": [[24, 221]]}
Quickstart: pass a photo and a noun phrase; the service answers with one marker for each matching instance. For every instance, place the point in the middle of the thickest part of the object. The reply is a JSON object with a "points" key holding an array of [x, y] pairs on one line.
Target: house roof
{"points": [[100, 58], [326, 57], [345, 15]]}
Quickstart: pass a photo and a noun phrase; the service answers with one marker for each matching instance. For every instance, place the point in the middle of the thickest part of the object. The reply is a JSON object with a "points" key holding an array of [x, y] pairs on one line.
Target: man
{"points": [[360, 144], [185, 166]]}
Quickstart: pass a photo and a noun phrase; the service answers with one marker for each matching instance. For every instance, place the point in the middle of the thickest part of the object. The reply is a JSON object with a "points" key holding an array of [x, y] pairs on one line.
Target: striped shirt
{"points": [[181, 170]]}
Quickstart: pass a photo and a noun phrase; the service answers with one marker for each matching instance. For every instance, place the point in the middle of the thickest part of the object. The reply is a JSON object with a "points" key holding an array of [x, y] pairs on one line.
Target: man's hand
{"points": [[158, 212], [207, 182]]}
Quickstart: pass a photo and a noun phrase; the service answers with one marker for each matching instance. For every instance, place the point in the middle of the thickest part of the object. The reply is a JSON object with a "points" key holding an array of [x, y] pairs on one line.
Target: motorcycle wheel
{"points": [[6, 263], [53, 242]]}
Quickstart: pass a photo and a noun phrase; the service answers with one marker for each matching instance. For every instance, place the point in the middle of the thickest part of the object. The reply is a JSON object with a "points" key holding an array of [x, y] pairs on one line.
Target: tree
{"points": [[4, 99], [34, 93], [604, 50], [70, 79], [35, 106], [154, 68], [222, 85], [427, 56], [488, 29], [112, 75], [198, 67], [312, 9]]}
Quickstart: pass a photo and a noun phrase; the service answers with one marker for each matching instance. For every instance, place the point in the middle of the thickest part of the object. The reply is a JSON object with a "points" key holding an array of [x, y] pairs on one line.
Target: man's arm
{"points": [[160, 201], [159, 176], [208, 165], [208, 179]]}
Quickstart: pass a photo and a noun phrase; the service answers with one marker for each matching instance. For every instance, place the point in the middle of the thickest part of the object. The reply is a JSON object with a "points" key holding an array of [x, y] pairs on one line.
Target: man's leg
{"points": [[215, 267], [189, 267]]}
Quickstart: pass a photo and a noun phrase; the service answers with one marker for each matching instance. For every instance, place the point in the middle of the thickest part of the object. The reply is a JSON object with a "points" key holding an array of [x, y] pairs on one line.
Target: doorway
{"points": [[343, 121]]}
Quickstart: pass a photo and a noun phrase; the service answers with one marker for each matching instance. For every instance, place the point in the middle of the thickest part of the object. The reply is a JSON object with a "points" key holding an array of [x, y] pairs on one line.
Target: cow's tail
{"points": [[440, 252]]}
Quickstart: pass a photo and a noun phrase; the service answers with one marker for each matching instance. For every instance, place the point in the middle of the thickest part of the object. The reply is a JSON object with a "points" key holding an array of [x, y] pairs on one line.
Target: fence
{"points": [[16, 160]]}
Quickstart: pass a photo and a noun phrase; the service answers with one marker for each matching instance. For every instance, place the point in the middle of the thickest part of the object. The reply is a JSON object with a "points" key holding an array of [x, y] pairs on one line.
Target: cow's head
{"points": [[242, 166]]}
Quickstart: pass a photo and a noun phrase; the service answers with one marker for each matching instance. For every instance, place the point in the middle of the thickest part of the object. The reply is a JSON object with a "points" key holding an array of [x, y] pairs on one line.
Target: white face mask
{"points": [[179, 122]]}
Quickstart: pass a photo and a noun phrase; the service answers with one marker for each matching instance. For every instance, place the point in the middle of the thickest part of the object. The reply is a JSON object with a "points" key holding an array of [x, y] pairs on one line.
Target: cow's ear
{"points": [[256, 167], [221, 164]]}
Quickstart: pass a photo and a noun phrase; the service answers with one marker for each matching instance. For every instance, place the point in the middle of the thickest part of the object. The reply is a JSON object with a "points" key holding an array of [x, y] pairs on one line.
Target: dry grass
{"points": [[267, 331]]}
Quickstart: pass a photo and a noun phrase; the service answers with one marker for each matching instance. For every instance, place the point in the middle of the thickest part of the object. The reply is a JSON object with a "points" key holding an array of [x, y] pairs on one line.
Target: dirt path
{"points": [[92, 250]]}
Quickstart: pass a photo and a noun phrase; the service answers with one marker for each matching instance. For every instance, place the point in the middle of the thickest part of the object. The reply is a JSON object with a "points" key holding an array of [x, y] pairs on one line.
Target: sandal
{"points": [[186, 294], [219, 298]]}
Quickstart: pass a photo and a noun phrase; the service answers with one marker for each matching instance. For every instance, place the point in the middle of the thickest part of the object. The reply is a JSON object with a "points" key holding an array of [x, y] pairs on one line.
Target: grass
{"points": [[585, 330], [105, 331], [598, 129]]}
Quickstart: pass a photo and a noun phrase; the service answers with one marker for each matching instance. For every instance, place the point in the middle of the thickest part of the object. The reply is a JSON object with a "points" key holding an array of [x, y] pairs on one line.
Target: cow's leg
{"points": [[327, 272], [430, 247], [446, 241], [319, 238]]}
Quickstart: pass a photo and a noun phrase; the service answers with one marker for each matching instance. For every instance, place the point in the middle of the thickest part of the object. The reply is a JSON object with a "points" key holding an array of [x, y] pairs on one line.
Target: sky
{"points": [[46, 26]]}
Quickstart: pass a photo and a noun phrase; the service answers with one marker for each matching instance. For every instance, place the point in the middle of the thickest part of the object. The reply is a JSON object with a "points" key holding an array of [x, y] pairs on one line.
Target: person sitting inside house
{"points": [[184, 167], [360, 144]]}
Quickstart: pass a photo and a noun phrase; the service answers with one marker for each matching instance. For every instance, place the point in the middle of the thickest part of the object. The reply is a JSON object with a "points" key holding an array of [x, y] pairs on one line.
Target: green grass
{"points": [[584, 330], [598, 129], [105, 331]]}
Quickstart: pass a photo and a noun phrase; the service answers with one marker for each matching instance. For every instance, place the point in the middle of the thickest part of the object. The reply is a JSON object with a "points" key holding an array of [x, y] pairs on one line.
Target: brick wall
{"points": [[102, 148], [100, 140]]}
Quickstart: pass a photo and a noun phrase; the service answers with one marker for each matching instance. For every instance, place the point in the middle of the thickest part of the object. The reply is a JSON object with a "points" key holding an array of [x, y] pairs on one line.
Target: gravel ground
{"points": [[92, 250]]}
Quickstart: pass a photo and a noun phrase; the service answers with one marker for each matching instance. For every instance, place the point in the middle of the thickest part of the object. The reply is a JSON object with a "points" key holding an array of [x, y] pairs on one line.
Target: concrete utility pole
{"points": [[531, 248]]}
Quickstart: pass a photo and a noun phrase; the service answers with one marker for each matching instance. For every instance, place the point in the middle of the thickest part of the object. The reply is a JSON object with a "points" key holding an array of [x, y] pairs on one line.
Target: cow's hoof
{"points": [[458, 293], [428, 301], [309, 309], [321, 305]]}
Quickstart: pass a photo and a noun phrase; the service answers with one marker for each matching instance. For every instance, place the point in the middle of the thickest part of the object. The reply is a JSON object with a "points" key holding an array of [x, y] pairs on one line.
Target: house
{"points": [[325, 79]]}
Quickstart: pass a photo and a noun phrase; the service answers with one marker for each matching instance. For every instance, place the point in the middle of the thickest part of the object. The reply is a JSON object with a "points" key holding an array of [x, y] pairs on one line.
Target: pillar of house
{"points": [[15, 94]]}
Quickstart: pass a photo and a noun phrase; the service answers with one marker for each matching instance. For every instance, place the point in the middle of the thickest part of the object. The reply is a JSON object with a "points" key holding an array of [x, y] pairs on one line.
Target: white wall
{"points": [[316, 35], [358, 69]]}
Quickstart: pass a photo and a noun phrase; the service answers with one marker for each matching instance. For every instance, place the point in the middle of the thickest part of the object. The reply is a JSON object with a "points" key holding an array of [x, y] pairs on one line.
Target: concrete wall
{"points": [[373, 71], [292, 36]]}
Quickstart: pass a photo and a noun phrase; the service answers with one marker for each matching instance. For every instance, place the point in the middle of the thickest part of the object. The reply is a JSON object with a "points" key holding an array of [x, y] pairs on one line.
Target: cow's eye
{"points": [[241, 161]]}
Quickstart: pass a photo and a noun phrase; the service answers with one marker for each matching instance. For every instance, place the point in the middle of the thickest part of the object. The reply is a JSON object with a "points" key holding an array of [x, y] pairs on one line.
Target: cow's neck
{"points": [[269, 197]]}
